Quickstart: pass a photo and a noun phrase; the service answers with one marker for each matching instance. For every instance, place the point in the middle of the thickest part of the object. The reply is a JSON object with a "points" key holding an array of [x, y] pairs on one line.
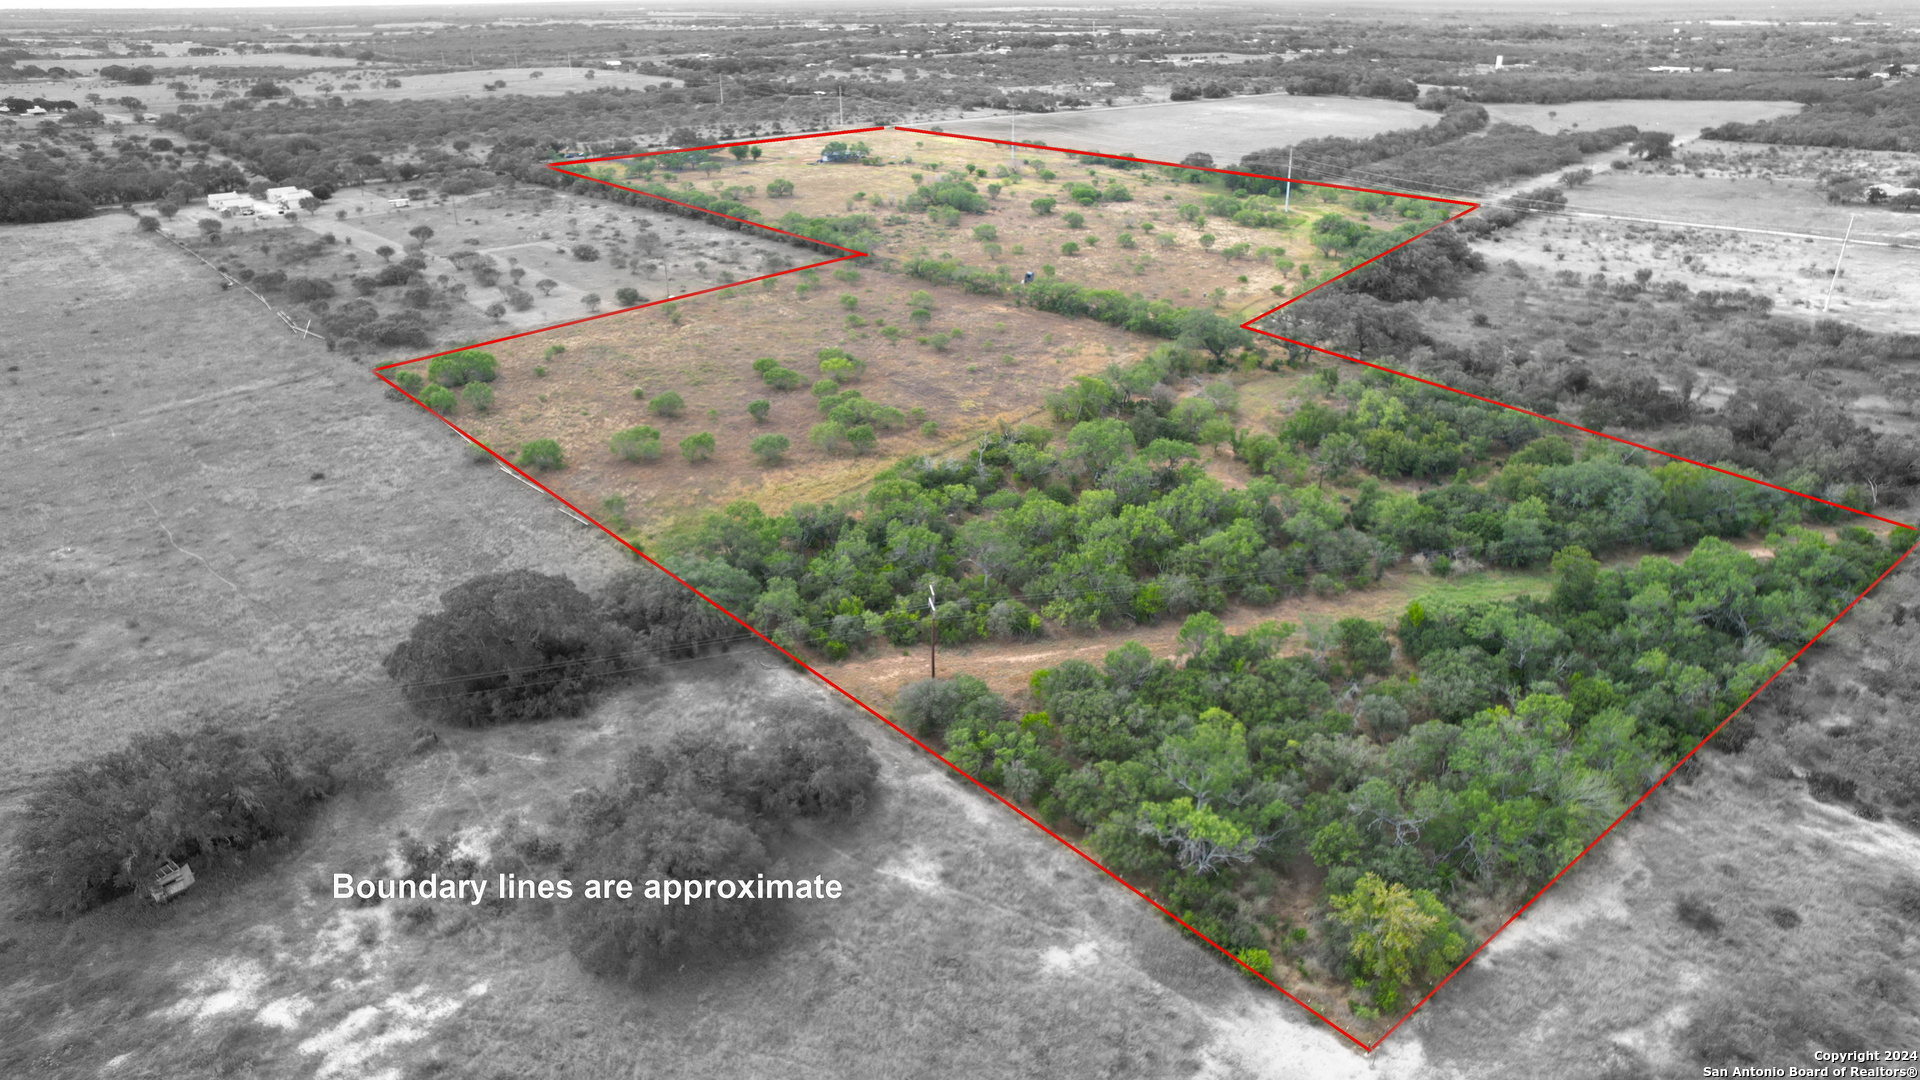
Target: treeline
{"points": [[1112, 519], [1772, 427], [1506, 152], [1887, 118], [1558, 89], [1439, 158], [1310, 79], [1321, 159], [47, 182], [1474, 760]]}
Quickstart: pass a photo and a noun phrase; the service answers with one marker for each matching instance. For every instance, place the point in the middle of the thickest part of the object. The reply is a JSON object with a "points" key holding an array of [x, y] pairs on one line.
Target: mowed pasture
{"points": [[1227, 128]]}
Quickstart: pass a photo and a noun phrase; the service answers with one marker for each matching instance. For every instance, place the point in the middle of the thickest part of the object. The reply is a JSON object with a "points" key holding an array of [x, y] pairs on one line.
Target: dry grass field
{"points": [[703, 349], [208, 515], [533, 230], [966, 944], [978, 361], [206, 510]]}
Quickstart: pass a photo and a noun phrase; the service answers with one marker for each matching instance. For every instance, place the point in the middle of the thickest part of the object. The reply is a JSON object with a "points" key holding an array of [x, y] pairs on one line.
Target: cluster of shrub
{"points": [[1334, 156], [1880, 120], [101, 828], [458, 376], [522, 646], [1474, 761], [707, 805], [1113, 520]]}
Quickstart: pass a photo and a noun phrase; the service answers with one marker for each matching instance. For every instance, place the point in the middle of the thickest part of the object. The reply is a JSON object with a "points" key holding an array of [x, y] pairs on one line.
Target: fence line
{"points": [[564, 508], [231, 281]]}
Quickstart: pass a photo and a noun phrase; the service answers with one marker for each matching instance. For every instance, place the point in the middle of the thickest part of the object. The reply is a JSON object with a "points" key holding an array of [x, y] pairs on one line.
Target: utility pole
{"points": [[1828, 302], [1288, 208], [933, 639], [843, 107]]}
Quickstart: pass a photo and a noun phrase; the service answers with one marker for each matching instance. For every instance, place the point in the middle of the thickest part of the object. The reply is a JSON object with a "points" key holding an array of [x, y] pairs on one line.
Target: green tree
{"points": [[639, 443], [759, 410], [769, 448], [507, 647], [861, 438], [541, 454], [828, 436], [669, 404], [1074, 219], [439, 399], [1399, 935], [1363, 646], [459, 368], [1043, 205], [626, 296], [697, 448]]}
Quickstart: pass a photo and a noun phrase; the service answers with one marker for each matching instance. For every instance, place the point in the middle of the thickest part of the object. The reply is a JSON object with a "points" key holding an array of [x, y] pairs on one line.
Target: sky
{"points": [[1624, 8]]}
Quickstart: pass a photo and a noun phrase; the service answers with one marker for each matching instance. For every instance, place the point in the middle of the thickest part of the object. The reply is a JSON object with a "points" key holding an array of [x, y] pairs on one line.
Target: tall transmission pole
{"points": [[933, 639], [1835, 280], [1288, 208]]}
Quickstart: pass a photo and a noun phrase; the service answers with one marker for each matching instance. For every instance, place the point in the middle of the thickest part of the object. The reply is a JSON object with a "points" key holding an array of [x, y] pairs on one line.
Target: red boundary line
{"points": [[1248, 325]]}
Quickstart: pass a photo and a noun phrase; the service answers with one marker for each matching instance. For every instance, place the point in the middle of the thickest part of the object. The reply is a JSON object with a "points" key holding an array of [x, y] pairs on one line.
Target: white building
{"points": [[288, 197], [229, 200]]}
